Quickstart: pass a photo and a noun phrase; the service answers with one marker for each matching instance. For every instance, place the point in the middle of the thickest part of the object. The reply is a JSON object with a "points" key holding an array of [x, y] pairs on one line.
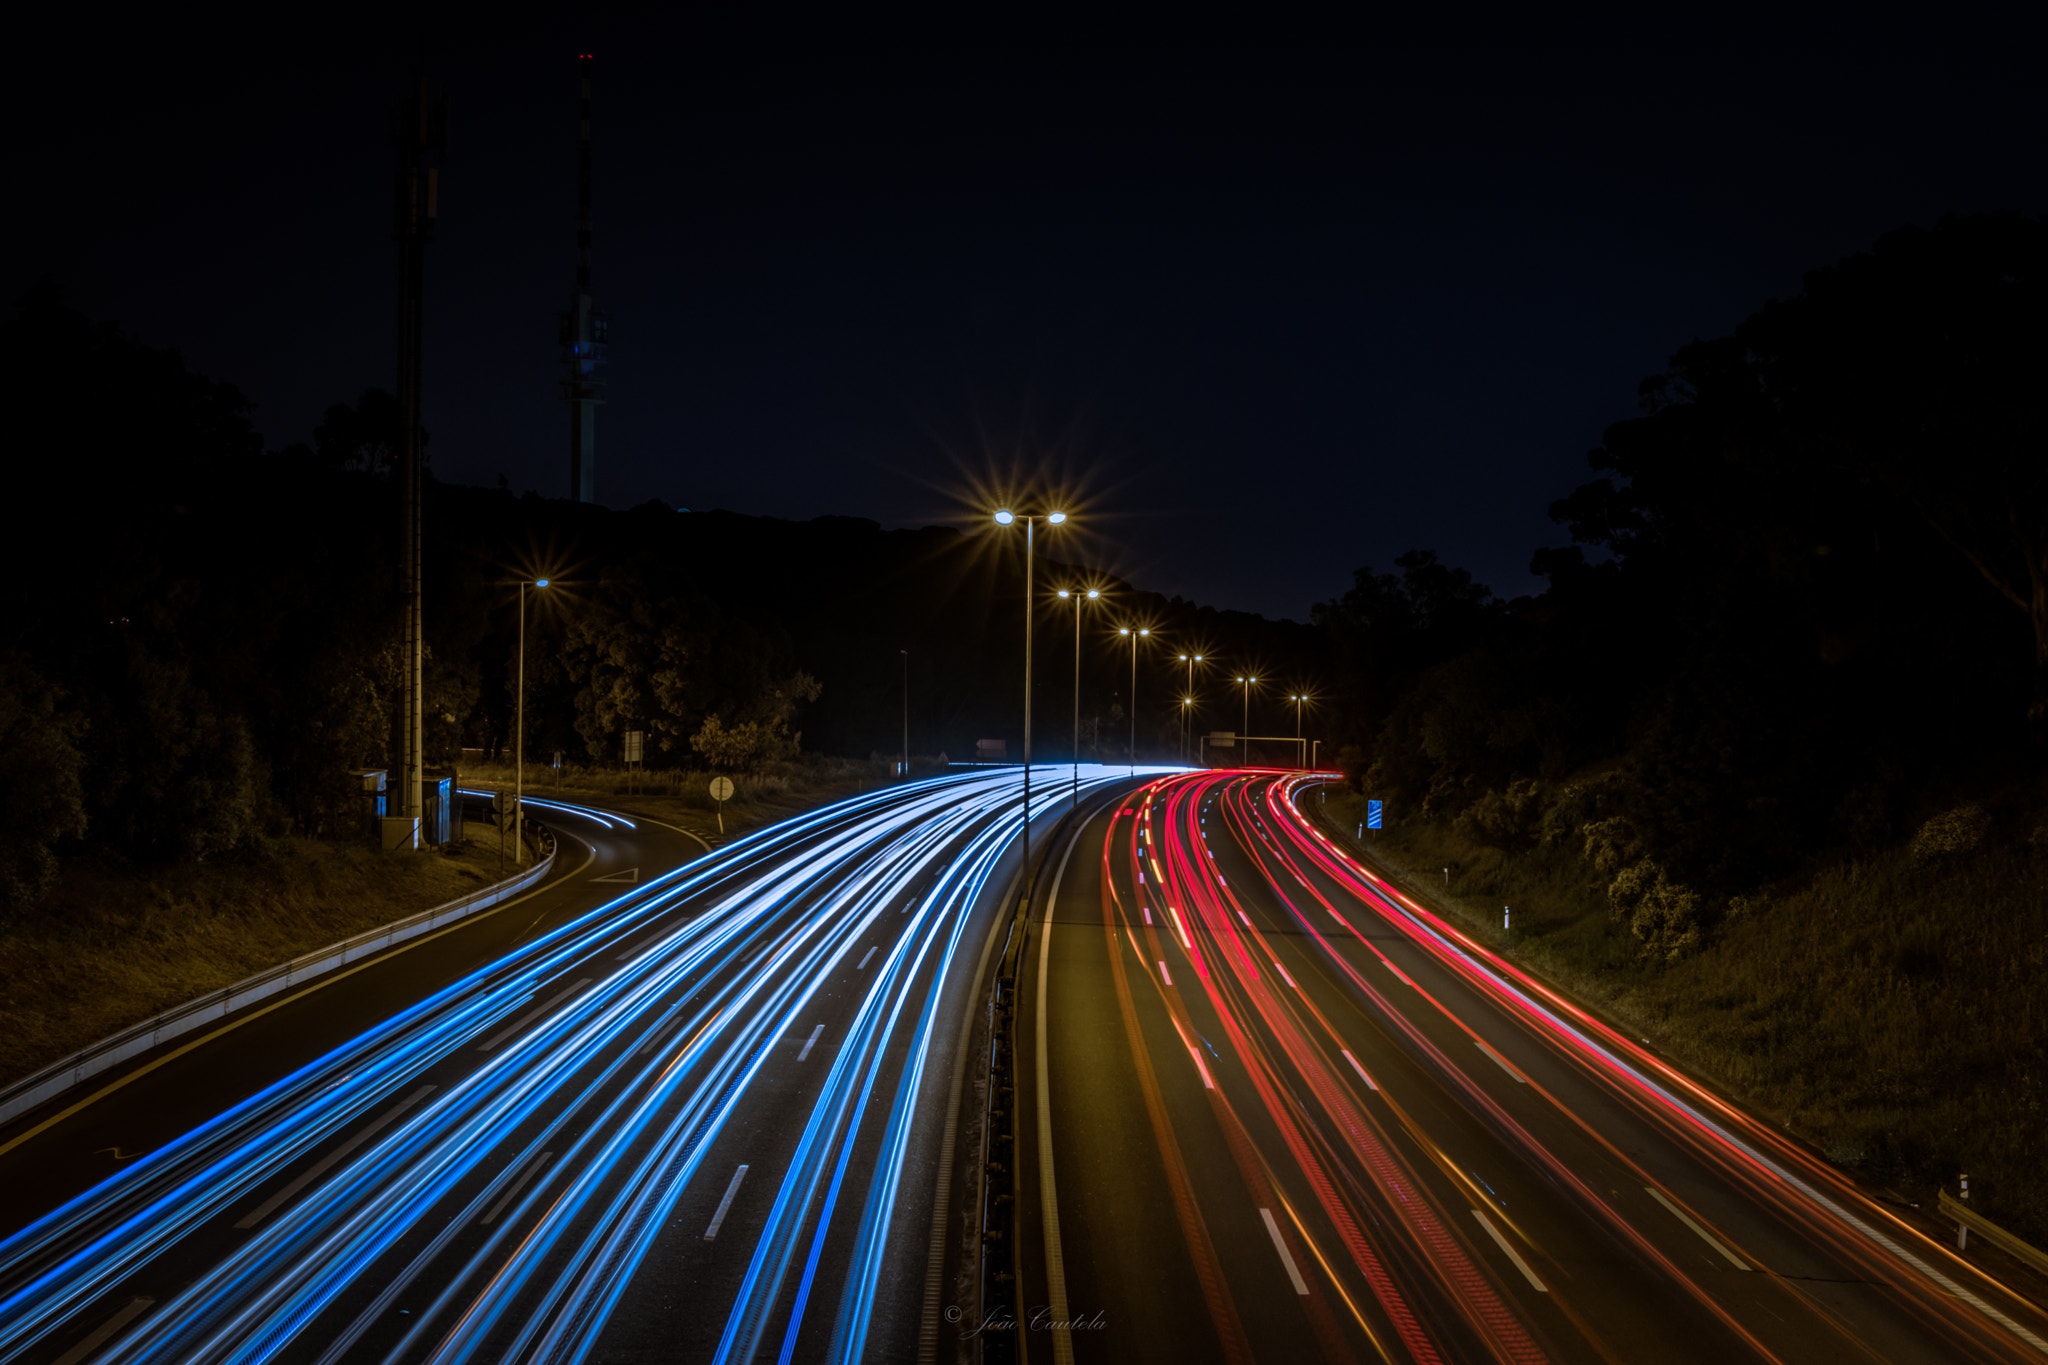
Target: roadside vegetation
{"points": [[112, 944], [1889, 1007]]}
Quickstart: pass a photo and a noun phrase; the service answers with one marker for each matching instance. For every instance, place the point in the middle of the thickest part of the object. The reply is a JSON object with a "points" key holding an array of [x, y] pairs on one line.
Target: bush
{"points": [[1957, 831]]}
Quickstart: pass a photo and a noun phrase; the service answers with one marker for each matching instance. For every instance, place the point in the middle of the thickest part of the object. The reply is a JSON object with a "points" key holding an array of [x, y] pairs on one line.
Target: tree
{"points": [[762, 736], [42, 800], [366, 438], [1922, 366]]}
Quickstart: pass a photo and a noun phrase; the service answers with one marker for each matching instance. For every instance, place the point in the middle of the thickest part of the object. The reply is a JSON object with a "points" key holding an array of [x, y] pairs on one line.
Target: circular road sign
{"points": [[721, 789]]}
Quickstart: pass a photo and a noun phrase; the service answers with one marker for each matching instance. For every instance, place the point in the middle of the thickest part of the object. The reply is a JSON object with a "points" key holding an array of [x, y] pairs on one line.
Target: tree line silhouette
{"points": [[1805, 607], [1806, 604]]}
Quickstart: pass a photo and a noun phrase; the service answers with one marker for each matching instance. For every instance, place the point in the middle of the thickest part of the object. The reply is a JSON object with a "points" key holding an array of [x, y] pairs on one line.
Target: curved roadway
{"points": [[1273, 1109]]}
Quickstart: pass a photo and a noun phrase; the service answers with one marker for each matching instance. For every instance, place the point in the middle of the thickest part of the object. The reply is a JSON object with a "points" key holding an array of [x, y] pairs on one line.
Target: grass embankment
{"points": [[110, 948], [683, 797], [1890, 1009]]}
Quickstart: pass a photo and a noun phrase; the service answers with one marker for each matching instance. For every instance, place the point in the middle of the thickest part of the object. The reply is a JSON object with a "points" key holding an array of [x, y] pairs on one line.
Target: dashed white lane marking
{"points": [[536, 1012], [1512, 1254], [1247, 920], [725, 1203], [1361, 1071], [1164, 974], [1293, 1271], [505, 1200], [643, 945], [105, 1333], [1148, 913], [864, 961], [1208, 1081], [1284, 976], [1501, 1062], [811, 1042], [326, 1163], [1682, 1216], [660, 1035]]}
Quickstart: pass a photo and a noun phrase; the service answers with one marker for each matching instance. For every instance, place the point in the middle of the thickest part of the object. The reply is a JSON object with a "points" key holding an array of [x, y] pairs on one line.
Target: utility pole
{"points": [[583, 332], [419, 132]]}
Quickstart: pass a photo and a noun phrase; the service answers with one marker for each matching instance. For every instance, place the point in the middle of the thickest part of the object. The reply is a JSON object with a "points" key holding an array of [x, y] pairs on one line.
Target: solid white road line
{"points": [[1682, 1216], [321, 1167], [1293, 1271], [725, 1203], [536, 1012], [504, 1201], [811, 1042], [1513, 1255], [105, 1332]]}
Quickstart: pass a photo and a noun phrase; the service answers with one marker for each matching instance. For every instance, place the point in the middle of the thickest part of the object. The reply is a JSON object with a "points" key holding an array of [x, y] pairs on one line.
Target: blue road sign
{"points": [[1372, 815]]}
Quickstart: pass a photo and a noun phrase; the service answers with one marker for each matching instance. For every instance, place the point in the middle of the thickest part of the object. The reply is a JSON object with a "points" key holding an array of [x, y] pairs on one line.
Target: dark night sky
{"points": [[1279, 313]]}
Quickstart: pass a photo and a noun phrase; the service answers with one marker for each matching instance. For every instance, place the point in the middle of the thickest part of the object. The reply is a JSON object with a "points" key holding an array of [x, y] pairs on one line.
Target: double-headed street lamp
{"points": [[1092, 594], [1132, 701], [1187, 714], [519, 735], [1298, 703], [1005, 517]]}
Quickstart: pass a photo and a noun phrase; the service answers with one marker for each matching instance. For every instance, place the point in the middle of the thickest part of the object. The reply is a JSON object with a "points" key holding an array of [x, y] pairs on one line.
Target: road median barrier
{"points": [[61, 1075]]}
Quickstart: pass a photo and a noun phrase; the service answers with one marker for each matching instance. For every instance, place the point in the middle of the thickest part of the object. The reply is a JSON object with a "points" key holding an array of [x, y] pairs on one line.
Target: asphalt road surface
{"points": [[1271, 1109], [693, 1115]]}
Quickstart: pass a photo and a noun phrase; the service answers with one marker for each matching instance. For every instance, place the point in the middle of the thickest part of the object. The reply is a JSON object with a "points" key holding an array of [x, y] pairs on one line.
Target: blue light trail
{"points": [[483, 1175]]}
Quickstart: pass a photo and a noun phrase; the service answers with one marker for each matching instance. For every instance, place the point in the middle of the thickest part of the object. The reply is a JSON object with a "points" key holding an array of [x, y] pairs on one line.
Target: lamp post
{"points": [[1187, 714], [1005, 517], [1132, 700], [519, 735], [1242, 736], [1297, 715], [1092, 594], [906, 713]]}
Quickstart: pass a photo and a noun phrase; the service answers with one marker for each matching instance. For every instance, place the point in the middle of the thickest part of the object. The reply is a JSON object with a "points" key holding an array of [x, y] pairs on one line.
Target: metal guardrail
{"points": [[1968, 1220], [59, 1076]]}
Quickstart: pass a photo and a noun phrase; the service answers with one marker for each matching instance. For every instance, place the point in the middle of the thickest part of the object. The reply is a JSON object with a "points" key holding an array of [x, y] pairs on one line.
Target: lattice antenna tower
{"points": [[583, 329]]}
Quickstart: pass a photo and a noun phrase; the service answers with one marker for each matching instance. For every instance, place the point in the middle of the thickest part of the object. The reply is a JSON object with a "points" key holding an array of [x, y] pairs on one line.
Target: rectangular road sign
{"points": [[1223, 739], [1372, 815]]}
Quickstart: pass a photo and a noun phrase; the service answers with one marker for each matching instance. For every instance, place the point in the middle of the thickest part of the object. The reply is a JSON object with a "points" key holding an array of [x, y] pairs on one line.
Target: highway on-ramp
{"points": [[1271, 1108]]}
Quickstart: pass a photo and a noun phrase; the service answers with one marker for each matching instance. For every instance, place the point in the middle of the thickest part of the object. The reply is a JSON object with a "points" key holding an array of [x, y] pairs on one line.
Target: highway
{"points": [[695, 1115], [1271, 1108]]}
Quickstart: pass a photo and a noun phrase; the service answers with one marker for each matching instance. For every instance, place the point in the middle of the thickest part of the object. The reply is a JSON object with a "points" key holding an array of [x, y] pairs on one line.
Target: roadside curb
{"points": [[61, 1075]]}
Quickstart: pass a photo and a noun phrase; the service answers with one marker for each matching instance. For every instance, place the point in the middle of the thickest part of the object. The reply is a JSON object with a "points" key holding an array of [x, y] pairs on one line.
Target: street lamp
{"points": [[1187, 715], [1092, 594], [1132, 701], [1242, 738], [906, 713], [1005, 517], [1298, 701], [519, 736]]}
